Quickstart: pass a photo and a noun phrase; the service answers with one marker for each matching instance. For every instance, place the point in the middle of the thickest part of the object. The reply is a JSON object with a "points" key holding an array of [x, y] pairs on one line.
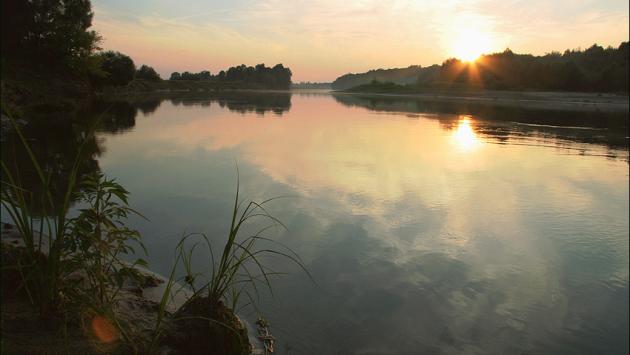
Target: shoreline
{"points": [[561, 101], [138, 302], [543, 100]]}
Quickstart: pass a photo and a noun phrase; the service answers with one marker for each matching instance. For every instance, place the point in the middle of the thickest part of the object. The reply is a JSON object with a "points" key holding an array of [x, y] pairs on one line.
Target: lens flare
{"points": [[104, 330]]}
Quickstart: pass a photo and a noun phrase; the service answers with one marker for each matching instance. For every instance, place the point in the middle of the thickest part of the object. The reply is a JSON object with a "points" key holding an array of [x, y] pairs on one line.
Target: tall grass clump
{"points": [[240, 270], [42, 222], [68, 263], [233, 278], [99, 237], [73, 266]]}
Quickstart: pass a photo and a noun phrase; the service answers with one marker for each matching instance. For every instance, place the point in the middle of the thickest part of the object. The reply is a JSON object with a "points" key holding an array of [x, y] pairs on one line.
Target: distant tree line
{"points": [[53, 39], [595, 69], [276, 77], [396, 75], [310, 85]]}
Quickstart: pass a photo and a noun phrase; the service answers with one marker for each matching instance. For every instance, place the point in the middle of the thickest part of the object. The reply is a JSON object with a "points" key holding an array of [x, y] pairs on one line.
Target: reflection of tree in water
{"points": [[241, 102], [58, 139], [148, 106], [112, 116], [56, 145], [503, 123]]}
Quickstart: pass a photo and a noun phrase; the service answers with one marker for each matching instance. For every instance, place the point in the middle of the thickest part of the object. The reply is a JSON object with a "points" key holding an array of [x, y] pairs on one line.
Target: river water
{"points": [[437, 228]]}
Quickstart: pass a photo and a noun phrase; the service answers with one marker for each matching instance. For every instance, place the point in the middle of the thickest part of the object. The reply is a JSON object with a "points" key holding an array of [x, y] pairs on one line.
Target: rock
{"points": [[150, 281], [192, 333]]}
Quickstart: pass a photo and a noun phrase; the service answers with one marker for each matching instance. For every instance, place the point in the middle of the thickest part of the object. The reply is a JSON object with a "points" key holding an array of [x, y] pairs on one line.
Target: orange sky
{"points": [[322, 40]]}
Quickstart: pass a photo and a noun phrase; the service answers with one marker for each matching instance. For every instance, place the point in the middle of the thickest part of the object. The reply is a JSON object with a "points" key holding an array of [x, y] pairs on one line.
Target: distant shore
{"points": [[547, 100], [182, 86], [573, 101]]}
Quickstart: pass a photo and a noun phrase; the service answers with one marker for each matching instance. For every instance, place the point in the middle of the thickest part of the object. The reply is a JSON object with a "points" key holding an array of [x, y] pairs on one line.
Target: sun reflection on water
{"points": [[464, 135]]}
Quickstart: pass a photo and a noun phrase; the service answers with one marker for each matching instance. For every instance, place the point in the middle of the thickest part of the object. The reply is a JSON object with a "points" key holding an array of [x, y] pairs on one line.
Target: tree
{"points": [[50, 32], [147, 73], [118, 68], [175, 76], [282, 76], [204, 75]]}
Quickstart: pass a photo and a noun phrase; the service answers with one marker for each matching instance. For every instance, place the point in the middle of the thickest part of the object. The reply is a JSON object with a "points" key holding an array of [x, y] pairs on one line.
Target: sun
{"points": [[469, 44]]}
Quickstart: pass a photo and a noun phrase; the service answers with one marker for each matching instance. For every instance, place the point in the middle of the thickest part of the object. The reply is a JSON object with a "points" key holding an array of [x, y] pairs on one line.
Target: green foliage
{"points": [[44, 231], [239, 270], [204, 318], [202, 75], [47, 33], [58, 249], [278, 77], [397, 75], [119, 69], [594, 69], [46, 50], [98, 237], [146, 72]]}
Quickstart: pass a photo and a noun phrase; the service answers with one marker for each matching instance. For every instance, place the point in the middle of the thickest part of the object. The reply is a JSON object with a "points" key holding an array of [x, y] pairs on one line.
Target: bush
{"points": [[117, 69], [147, 73]]}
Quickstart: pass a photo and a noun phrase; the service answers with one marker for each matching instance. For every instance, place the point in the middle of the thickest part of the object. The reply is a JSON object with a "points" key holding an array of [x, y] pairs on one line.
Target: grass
{"points": [[71, 268], [42, 275], [239, 271]]}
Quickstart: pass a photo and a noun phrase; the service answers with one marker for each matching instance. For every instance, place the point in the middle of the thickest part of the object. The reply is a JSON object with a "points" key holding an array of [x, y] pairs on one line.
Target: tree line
{"points": [[277, 77], [53, 39], [396, 75], [595, 69]]}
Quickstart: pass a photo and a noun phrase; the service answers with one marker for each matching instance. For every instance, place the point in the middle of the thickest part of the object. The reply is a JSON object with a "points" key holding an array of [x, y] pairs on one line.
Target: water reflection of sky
{"points": [[422, 233]]}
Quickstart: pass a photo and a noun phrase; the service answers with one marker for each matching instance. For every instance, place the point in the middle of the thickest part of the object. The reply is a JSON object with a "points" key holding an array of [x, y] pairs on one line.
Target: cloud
{"points": [[321, 40]]}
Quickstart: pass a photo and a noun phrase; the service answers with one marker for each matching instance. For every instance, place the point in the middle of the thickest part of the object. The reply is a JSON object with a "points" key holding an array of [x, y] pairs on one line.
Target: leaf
{"points": [[141, 262]]}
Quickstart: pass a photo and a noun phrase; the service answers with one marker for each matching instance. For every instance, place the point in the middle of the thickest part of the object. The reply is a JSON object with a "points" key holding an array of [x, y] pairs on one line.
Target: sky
{"points": [[321, 40]]}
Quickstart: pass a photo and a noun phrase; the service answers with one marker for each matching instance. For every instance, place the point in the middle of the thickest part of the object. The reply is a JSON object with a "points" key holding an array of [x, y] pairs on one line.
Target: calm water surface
{"points": [[426, 230]]}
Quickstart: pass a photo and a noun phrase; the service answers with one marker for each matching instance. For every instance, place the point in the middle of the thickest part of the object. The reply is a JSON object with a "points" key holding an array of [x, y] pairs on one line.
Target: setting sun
{"points": [[470, 44], [423, 176]]}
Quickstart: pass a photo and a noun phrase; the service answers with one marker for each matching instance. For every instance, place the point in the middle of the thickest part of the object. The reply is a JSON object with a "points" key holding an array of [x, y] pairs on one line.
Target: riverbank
{"points": [[27, 93], [139, 87], [137, 306], [560, 101]]}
